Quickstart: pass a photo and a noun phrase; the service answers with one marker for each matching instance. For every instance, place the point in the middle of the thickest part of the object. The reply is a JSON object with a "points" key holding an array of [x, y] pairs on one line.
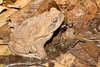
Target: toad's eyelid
{"points": [[55, 20]]}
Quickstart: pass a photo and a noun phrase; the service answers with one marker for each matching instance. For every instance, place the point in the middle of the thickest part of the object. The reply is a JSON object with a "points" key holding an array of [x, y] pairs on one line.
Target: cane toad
{"points": [[28, 39]]}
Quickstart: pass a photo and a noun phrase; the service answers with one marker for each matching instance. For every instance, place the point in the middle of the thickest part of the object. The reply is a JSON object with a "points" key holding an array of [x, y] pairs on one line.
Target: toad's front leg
{"points": [[39, 45], [41, 51]]}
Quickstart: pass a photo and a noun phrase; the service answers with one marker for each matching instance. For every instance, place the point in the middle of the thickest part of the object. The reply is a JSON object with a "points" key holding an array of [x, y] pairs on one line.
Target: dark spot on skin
{"points": [[12, 27], [89, 13], [3, 11], [9, 20], [30, 52]]}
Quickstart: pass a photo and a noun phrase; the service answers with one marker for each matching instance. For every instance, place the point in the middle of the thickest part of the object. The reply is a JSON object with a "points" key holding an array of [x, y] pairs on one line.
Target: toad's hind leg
{"points": [[17, 48]]}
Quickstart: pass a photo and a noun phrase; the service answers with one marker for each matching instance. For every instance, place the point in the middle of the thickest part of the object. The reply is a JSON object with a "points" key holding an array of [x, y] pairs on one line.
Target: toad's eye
{"points": [[55, 20]]}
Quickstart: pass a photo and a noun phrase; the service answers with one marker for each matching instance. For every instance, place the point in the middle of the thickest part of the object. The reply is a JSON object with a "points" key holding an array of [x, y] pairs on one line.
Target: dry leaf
{"points": [[4, 15], [5, 32], [4, 27], [97, 2], [21, 3], [53, 4], [1, 1], [80, 53], [91, 48], [69, 33], [35, 7], [70, 60]]}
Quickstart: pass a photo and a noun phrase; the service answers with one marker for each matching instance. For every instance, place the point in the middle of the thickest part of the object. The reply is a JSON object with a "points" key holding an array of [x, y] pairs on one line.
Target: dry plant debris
{"points": [[75, 42]]}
